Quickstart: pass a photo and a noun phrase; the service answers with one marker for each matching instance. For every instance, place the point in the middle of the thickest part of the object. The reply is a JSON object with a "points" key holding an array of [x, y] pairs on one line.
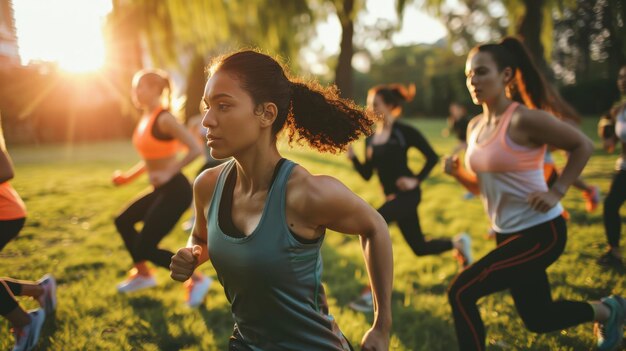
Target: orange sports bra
{"points": [[147, 145], [11, 205]]}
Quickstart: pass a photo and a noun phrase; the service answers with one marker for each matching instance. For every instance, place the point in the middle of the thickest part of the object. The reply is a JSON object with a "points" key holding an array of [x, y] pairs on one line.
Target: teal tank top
{"points": [[272, 280]]}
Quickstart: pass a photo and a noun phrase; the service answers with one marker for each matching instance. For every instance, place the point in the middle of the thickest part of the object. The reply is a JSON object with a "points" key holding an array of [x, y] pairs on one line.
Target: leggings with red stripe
{"points": [[519, 264]]}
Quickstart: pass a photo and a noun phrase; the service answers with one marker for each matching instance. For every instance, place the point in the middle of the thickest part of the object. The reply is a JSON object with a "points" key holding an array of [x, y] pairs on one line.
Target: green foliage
{"points": [[437, 73], [173, 28], [70, 233], [595, 95]]}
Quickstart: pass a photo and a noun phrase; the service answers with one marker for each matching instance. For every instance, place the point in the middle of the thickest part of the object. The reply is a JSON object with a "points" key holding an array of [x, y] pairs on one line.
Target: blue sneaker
{"points": [[610, 333], [48, 300], [26, 338]]}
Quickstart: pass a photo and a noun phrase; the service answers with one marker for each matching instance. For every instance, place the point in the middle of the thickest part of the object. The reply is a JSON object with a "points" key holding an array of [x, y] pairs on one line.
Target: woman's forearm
{"points": [[468, 180], [576, 162], [379, 261]]}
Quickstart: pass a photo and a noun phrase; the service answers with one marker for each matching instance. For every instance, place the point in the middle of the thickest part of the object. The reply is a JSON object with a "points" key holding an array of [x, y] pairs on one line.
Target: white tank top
{"points": [[507, 173]]}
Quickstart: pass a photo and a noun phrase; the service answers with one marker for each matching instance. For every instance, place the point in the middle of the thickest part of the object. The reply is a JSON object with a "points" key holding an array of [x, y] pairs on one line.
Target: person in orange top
{"points": [[26, 326], [157, 138]]}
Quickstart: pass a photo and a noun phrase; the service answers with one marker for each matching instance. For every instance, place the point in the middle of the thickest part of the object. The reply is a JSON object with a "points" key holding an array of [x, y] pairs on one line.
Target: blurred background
{"points": [[66, 65]]}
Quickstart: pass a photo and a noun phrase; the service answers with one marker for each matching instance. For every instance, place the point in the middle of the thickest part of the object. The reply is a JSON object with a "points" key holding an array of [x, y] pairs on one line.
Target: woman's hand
{"points": [[375, 340], [608, 145], [119, 178], [185, 262], [407, 183], [543, 201], [451, 165]]}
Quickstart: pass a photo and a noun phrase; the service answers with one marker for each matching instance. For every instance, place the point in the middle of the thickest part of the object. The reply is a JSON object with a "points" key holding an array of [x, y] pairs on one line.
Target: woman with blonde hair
{"points": [[157, 138]]}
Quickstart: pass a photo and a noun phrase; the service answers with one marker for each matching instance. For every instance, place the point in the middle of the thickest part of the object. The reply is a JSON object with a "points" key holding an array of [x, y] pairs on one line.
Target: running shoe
{"points": [[197, 291], [364, 303], [26, 338], [463, 251], [48, 300], [592, 198], [610, 260], [468, 196], [565, 214], [610, 333], [136, 282]]}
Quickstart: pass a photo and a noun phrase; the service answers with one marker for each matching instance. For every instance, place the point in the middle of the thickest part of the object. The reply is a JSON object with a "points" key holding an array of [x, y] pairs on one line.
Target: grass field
{"points": [[70, 233]]}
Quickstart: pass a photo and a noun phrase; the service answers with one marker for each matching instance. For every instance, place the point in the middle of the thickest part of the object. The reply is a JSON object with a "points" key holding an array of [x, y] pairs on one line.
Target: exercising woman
{"points": [[386, 153], [157, 139], [261, 219], [506, 146], [26, 325]]}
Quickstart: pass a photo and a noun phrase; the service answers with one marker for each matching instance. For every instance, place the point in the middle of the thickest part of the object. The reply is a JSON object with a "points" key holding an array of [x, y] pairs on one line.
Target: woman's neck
{"points": [[255, 167], [385, 124], [492, 110]]}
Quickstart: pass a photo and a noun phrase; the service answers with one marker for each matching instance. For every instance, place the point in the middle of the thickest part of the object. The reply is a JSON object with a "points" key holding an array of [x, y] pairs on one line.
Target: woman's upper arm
{"points": [[203, 188], [331, 205], [542, 128], [169, 125], [6, 167], [471, 125]]}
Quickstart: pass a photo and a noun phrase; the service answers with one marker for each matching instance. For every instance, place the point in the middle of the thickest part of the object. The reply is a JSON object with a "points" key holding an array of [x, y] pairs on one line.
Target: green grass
{"points": [[70, 233]]}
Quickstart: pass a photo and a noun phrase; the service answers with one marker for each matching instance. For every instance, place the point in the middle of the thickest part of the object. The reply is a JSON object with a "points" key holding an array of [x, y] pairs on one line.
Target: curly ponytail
{"points": [[327, 122], [528, 86], [311, 113]]}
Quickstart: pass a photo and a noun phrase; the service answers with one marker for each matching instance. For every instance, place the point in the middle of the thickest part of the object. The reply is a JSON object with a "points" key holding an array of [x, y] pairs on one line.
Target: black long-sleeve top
{"points": [[390, 159]]}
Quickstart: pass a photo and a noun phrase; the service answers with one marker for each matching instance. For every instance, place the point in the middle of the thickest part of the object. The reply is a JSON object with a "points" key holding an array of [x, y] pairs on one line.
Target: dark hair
{"points": [[528, 86], [393, 95], [310, 112]]}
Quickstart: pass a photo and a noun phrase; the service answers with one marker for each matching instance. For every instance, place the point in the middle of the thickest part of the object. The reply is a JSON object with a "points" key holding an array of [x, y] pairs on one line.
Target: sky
{"points": [[69, 32]]}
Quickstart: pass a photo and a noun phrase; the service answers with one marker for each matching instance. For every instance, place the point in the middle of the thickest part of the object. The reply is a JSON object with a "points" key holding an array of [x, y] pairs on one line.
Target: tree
{"points": [[173, 30]]}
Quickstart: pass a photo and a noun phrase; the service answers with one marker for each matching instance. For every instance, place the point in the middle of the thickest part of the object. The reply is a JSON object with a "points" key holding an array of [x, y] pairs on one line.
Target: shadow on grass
{"points": [[214, 321], [152, 311], [49, 328]]}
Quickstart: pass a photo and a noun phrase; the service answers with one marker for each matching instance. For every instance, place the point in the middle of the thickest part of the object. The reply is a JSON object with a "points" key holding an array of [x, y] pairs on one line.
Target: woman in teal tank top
{"points": [[261, 219]]}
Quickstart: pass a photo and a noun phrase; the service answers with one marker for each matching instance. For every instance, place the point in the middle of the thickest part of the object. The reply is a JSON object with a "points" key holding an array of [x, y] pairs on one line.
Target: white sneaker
{"points": [[197, 290], [463, 243], [48, 300], [363, 303], [26, 339], [136, 282]]}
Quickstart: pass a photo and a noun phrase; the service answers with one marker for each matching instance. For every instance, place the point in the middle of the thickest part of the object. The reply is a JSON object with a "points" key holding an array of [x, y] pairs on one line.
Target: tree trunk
{"points": [[616, 51], [530, 32], [343, 71]]}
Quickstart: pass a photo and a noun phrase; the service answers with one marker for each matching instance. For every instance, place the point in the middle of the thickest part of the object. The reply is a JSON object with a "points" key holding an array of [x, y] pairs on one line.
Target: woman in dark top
{"points": [[386, 153]]}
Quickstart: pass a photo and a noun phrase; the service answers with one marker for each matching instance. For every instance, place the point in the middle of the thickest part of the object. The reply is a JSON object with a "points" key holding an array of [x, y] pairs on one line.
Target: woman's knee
{"points": [[536, 323]]}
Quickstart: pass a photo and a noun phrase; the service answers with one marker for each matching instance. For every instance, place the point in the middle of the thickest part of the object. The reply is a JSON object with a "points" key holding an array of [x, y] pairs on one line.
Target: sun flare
{"points": [[68, 32]]}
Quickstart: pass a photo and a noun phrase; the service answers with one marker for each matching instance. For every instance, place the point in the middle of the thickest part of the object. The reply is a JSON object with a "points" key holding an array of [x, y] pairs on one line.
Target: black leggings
{"points": [[9, 230], [519, 264], [403, 211], [8, 290], [613, 201], [159, 210]]}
